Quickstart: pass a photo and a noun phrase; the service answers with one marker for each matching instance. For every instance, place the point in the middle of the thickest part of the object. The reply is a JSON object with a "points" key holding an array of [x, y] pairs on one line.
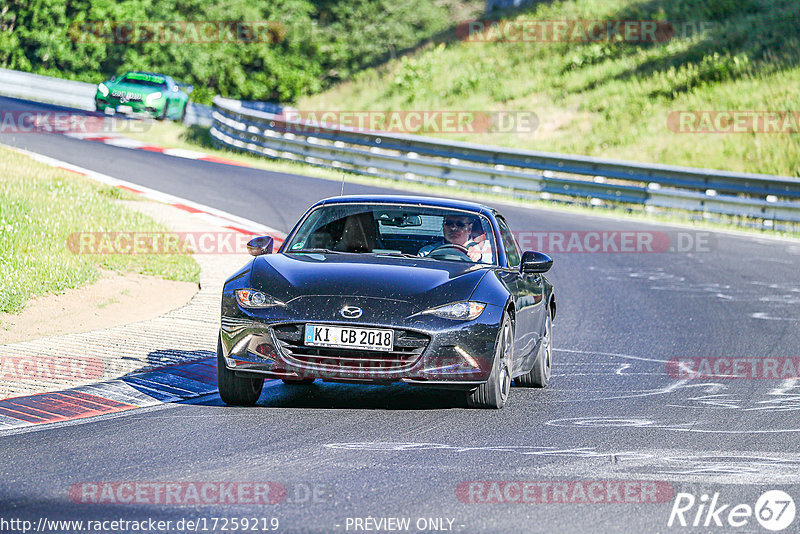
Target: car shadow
{"points": [[337, 396], [168, 382]]}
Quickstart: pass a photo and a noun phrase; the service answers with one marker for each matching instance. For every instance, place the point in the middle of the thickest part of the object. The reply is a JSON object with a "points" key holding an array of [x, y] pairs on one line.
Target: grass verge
{"points": [[612, 98], [40, 207]]}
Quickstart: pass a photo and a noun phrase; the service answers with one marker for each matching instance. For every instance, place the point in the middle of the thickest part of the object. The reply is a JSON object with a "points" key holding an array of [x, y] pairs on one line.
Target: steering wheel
{"points": [[450, 250]]}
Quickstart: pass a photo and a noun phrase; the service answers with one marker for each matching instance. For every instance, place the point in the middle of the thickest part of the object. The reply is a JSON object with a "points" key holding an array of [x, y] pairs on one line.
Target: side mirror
{"points": [[260, 245], [535, 262], [113, 78]]}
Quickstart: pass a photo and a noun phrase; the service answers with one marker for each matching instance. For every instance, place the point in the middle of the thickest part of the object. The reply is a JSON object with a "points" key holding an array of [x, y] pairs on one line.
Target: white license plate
{"points": [[349, 337], [125, 109]]}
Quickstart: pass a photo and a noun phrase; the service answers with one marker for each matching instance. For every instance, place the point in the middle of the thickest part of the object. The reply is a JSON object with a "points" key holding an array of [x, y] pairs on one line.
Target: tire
{"points": [[494, 393], [298, 382], [163, 112], [236, 390], [539, 376]]}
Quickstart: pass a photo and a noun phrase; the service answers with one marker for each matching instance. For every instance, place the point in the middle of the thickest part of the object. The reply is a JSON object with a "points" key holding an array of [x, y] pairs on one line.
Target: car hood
{"points": [[421, 282]]}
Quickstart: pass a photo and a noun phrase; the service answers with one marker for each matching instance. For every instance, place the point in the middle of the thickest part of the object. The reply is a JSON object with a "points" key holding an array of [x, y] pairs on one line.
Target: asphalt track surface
{"points": [[611, 413]]}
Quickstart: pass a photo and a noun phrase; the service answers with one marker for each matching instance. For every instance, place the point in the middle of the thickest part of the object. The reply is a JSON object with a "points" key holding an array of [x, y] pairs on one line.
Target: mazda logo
{"points": [[351, 312]]}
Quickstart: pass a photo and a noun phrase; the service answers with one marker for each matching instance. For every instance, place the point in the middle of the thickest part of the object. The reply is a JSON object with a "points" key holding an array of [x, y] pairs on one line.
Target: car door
{"points": [[528, 291]]}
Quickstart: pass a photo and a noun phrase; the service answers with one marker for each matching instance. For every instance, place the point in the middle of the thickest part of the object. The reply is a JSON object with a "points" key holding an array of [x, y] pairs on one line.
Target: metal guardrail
{"points": [[45, 89], [522, 173], [72, 94]]}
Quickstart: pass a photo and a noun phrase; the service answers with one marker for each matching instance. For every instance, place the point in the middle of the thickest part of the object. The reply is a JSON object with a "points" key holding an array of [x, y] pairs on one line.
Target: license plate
{"points": [[348, 337], [125, 109]]}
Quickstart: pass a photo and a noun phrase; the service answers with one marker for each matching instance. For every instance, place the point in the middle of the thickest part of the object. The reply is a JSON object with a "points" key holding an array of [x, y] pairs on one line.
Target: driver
{"points": [[457, 230]]}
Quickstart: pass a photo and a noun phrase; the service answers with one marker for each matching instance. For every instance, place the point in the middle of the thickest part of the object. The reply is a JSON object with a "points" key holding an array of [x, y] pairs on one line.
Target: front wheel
{"points": [[539, 376], [236, 390], [494, 393]]}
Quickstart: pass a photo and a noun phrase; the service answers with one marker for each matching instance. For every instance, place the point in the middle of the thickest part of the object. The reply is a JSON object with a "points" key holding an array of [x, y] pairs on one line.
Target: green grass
{"points": [[40, 207], [612, 99]]}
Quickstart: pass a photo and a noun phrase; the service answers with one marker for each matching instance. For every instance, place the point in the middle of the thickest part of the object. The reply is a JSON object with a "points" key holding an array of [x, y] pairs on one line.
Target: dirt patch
{"points": [[113, 300]]}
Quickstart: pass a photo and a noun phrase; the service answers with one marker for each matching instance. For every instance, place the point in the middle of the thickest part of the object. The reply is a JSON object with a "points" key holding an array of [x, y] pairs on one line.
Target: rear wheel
{"points": [[494, 393], [539, 376], [236, 390]]}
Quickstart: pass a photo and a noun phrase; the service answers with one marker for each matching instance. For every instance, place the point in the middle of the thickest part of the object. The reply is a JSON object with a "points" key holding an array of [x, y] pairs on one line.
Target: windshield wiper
{"points": [[397, 254], [317, 250]]}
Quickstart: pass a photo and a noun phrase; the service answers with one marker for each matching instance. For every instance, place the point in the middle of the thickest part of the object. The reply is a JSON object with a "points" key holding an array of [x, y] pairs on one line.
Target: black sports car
{"points": [[381, 289]]}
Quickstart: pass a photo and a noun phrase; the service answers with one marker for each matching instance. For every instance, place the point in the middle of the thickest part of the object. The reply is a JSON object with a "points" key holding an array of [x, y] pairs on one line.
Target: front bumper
{"points": [[128, 107], [455, 353]]}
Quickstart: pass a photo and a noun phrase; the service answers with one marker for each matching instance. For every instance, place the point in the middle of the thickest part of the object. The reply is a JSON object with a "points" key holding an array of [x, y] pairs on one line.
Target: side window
{"points": [[512, 252]]}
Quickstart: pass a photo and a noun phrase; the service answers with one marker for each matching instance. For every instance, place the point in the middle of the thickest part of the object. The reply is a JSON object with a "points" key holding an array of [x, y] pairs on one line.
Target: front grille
{"points": [[407, 350]]}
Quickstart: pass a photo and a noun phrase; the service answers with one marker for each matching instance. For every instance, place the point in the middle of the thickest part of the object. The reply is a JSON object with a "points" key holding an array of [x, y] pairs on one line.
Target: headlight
{"points": [[249, 298], [103, 89], [152, 98], [463, 311]]}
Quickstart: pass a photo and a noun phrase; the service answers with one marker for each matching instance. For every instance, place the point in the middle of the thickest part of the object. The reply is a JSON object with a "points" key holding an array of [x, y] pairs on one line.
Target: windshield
{"points": [[147, 80], [395, 229]]}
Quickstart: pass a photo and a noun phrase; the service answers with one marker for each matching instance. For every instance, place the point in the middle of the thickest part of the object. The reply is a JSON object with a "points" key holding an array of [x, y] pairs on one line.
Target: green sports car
{"points": [[147, 93]]}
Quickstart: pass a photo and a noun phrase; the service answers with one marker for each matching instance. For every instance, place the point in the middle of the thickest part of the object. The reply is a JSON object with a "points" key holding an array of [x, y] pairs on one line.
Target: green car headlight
{"points": [[103, 89]]}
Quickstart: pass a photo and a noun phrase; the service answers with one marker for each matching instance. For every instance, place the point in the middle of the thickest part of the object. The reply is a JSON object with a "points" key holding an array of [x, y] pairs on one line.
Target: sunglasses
{"points": [[458, 224]]}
